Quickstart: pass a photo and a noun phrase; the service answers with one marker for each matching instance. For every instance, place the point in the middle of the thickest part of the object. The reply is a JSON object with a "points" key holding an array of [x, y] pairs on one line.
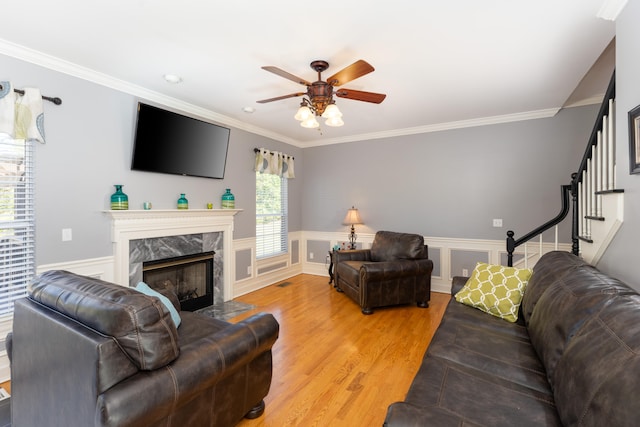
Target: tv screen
{"points": [[168, 142]]}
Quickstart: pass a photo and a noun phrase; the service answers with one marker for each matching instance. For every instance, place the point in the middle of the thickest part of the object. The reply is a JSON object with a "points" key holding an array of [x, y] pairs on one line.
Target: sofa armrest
{"points": [[201, 365], [352, 255], [375, 271], [457, 283]]}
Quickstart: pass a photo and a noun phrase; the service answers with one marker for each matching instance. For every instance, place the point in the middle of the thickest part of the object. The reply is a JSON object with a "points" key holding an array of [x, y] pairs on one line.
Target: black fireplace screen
{"points": [[189, 276]]}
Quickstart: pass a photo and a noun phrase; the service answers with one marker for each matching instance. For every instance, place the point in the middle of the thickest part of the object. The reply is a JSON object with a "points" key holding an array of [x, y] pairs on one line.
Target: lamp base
{"points": [[352, 238]]}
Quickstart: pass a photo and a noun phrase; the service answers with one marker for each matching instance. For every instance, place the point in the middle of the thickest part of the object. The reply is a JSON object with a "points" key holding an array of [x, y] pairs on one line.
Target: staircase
{"points": [[597, 205]]}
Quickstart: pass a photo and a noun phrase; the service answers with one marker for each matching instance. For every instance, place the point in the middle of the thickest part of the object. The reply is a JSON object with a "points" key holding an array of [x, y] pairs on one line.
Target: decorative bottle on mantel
{"points": [[228, 200], [119, 200], [183, 203]]}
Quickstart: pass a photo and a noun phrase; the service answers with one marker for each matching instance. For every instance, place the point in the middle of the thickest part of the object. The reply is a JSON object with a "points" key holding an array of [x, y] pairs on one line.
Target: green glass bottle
{"points": [[183, 203], [119, 200], [228, 200]]}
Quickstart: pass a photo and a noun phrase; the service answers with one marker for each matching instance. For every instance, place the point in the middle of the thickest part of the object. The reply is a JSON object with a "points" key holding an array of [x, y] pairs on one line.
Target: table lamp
{"points": [[352, 218]]}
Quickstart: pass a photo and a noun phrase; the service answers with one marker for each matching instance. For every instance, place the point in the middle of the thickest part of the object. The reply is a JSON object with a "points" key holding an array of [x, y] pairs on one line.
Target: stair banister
{"points": [[594, 177], [512, 243]]}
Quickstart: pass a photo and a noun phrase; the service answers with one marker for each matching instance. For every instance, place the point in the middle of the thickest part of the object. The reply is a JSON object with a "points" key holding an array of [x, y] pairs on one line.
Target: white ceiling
{"points": [[442, 64]]}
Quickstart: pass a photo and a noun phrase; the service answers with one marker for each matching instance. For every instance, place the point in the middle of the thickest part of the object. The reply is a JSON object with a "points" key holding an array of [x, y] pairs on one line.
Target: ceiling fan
{"points": [[319, 95]]}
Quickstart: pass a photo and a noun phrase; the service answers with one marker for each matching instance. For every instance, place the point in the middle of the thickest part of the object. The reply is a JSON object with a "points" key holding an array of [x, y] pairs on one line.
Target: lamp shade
{"points": [[334, 122], [331, 111], [304, 113], [352, 217], [310, 123]]}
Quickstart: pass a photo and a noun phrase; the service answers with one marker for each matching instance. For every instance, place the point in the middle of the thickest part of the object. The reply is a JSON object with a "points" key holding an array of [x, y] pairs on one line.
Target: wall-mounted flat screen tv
{"points": [[168, 142]]}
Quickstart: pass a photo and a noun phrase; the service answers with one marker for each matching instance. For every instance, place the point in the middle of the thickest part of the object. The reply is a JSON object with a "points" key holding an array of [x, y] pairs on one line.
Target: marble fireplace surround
{"points": [[128, 225]]}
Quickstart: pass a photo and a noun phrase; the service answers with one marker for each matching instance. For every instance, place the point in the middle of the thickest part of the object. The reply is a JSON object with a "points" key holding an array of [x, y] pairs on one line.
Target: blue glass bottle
{"points": [[183, 203], [119, 200], [228, 200]]}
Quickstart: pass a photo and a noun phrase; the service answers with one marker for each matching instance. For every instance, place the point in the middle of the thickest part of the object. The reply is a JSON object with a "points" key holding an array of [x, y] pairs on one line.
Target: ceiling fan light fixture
{"points": [[332, 111], [318, 99], [304, 113], [334, 122], [310, 123]]}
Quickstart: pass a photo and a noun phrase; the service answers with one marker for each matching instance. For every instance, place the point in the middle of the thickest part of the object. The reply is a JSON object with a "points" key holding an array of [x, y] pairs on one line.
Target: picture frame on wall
{"points": [[634, 140]]}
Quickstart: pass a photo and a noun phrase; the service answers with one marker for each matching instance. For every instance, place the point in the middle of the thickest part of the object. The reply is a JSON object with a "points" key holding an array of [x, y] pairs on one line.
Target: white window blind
{"points": [[17, 221], [271, 215]]}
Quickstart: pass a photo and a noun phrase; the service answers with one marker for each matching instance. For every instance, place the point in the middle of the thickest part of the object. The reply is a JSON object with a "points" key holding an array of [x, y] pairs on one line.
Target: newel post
{"points": [[575, 245], [511, 246]]}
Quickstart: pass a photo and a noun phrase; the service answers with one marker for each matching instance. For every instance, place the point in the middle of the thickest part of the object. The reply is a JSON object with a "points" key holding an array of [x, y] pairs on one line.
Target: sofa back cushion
{"points": [[597, 376], [139, 323], [565, 308], [392, 246]]}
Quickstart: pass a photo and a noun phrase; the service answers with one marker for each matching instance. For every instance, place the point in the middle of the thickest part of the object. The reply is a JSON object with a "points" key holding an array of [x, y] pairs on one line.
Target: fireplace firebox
{"points": [[189, 276]]}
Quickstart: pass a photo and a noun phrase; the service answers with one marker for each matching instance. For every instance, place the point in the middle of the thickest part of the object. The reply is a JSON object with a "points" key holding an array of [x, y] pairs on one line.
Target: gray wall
{"points": [[88, 149], [621, 257], [451, 183]]}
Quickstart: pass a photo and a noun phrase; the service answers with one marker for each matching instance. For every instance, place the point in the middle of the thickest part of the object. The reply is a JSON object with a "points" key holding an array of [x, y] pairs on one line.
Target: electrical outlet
{"points": [[310, 255], [66, 235], [497, 222], [465, 272], [249, 270]]}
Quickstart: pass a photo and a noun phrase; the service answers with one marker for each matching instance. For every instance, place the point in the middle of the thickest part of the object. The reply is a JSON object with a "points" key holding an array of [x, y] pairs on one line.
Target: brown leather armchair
{"points": [[396, 270], [90, 353]]}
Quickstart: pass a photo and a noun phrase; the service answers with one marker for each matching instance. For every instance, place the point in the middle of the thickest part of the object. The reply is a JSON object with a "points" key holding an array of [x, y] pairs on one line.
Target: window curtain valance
{"points": [[21, 116], [274, 163]]}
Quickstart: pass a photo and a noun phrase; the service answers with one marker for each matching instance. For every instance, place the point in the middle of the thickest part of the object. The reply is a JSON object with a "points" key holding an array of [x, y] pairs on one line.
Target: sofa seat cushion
{"points": [[472, 394], [495, 289], [406, 414], [392, 246], [349, 272], [141, 324], [489, 345]]}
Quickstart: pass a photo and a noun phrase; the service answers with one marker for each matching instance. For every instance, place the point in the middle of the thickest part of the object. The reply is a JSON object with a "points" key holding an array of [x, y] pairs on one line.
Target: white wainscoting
{"points": [[493, 250], [440, 248]]}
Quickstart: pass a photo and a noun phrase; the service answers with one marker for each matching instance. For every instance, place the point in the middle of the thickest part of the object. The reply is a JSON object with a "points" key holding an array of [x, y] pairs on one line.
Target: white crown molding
{"points": [[53, 63], [610, 9], [88, 74], [438, 127], [589, 101]]}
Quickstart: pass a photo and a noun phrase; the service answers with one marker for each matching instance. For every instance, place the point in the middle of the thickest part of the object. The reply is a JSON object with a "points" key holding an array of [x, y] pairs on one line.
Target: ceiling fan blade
{"points": [[282, 73], [359, 95], [278, 98], [352, 72]]}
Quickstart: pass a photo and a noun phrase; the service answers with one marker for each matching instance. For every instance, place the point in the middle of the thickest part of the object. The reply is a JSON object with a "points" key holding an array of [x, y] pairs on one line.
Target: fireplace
{"points": [[141, 235], [190, 277]]}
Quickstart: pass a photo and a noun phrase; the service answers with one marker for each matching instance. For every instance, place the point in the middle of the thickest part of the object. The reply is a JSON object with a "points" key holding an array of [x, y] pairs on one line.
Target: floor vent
{"points": [[283, 284]]}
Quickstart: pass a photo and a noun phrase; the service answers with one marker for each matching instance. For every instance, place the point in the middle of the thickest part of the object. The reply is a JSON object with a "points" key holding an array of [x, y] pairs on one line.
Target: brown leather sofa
{"points": [[572, 359], [90, 353], [396, 270]]}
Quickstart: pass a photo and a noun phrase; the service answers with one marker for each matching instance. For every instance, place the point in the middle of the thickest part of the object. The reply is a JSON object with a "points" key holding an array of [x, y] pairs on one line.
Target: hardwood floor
{"points": [[332, 364]]}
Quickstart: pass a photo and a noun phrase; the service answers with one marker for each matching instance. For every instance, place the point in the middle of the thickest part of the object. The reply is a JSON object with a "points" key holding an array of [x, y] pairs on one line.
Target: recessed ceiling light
{"points": [[172, 78], [248, 110]]}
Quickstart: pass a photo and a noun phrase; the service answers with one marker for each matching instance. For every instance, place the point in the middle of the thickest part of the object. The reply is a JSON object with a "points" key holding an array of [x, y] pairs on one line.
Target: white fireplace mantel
{"points": [[127, 225]]}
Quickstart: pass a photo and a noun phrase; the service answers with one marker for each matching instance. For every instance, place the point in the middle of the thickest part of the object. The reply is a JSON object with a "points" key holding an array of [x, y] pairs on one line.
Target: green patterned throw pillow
{"points": [[495, 289]]}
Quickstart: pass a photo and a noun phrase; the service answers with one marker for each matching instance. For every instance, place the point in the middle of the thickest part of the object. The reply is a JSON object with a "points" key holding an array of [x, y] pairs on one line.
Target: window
{"points": [[17, 221], [271, 215]]}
